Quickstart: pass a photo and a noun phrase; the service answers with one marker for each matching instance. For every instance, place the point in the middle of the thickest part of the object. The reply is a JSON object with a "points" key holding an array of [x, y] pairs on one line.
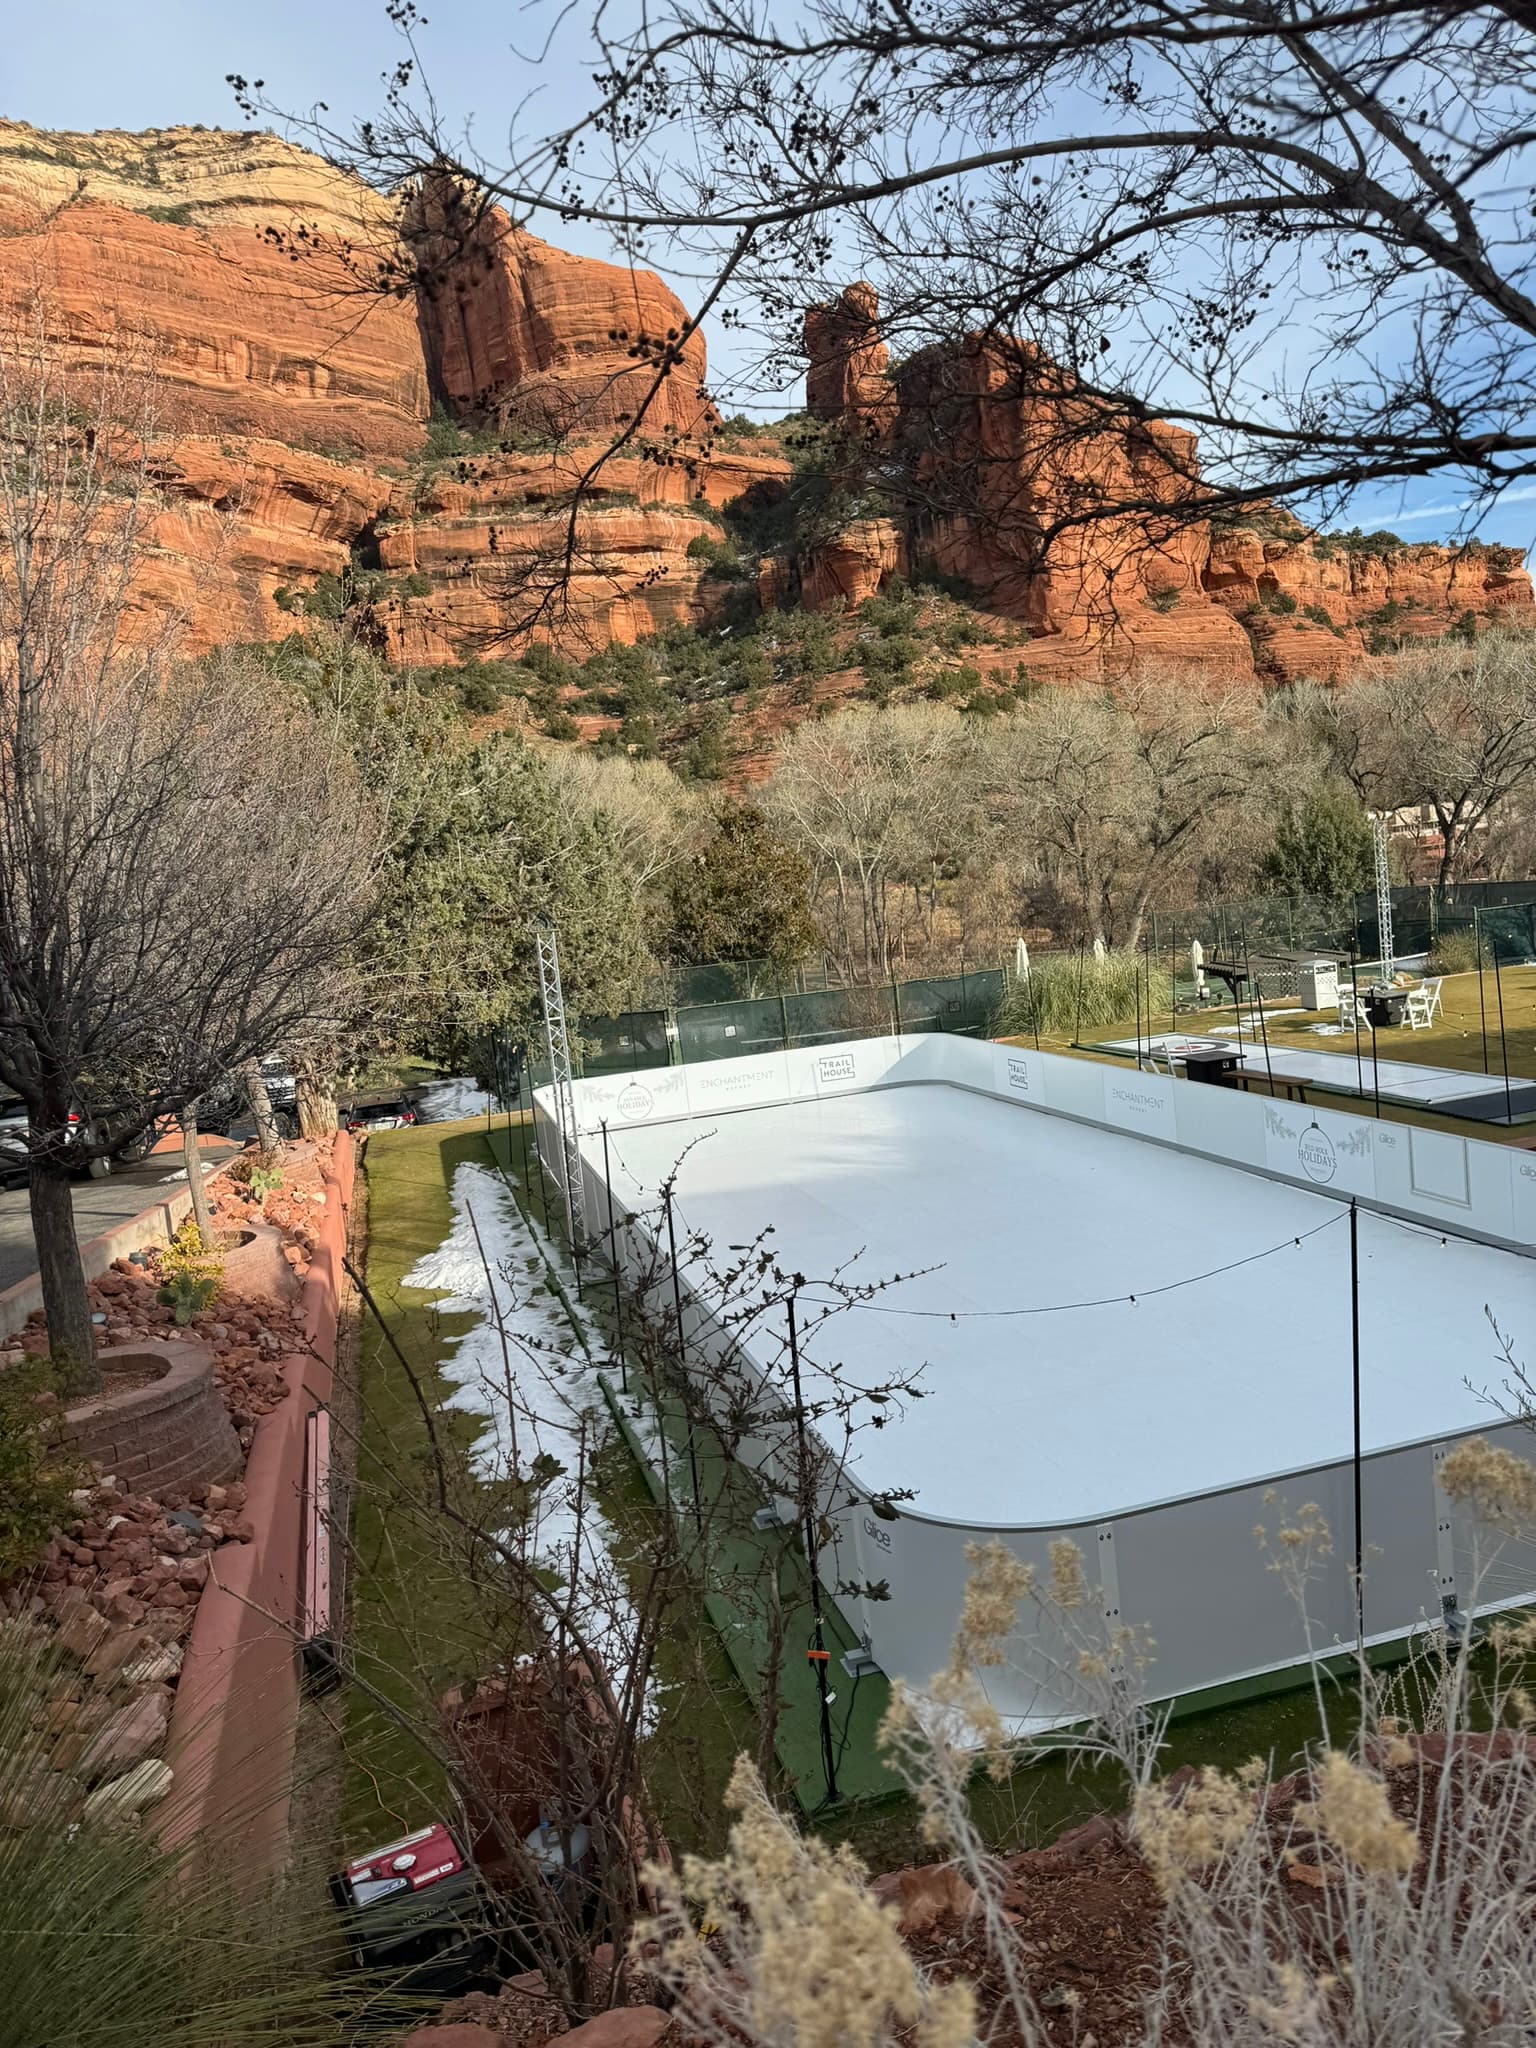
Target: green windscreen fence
{"points": [[730, 1029]]}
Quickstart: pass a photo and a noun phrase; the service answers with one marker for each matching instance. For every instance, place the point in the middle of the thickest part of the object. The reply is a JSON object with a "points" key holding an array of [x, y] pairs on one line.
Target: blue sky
{"points": [[97, 64]]}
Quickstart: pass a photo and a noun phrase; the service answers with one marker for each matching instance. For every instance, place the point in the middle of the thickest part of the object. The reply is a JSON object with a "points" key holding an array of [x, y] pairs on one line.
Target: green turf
{"points": [[412, 1625]]}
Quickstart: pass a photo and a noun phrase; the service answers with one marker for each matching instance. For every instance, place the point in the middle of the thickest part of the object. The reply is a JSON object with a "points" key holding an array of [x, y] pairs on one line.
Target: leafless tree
{"points": [[875, 800], [1120, 792], [1451, 727], [181, 848]]}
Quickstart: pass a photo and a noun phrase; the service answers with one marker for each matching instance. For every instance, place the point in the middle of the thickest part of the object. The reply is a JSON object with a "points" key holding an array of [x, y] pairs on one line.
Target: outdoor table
{"points": [[1216, 1064]]}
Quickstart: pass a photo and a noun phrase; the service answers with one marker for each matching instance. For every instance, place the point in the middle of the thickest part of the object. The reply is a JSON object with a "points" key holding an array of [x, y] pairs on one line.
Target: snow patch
{"points": [[521, 1369], [444, 1102]]}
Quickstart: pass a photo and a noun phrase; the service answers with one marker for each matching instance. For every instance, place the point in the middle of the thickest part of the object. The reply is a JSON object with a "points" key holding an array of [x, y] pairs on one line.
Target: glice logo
{"points": [[1314, 1148], [635, 1102], [836, 1066]]}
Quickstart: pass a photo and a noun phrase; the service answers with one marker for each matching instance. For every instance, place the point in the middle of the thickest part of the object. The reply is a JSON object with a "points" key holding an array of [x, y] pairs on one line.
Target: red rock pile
{"points": [[120, 1582], [120, 1585]]}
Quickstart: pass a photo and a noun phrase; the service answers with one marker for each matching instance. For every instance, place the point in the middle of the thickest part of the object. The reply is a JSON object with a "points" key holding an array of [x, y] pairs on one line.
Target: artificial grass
{"points": [[1458, 1036], [413, 1627]]}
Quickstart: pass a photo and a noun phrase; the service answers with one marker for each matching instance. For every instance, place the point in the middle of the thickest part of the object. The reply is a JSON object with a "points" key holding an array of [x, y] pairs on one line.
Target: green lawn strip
{"points": [[413, 1619], [409, 1615]]}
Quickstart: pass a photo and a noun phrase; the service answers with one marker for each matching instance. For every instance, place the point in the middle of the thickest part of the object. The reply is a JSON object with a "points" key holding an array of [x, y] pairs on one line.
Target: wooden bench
{"points": [[1293, 1086]]}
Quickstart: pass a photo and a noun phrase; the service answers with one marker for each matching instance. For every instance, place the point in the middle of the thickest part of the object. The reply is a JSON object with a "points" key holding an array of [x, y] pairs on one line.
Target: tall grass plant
{"points": [[1066, 994]]}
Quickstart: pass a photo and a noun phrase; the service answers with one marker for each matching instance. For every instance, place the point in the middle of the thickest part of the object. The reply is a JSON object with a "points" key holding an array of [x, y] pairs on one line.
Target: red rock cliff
{"points": [[998, 461], [296, 404], [545, 341]]}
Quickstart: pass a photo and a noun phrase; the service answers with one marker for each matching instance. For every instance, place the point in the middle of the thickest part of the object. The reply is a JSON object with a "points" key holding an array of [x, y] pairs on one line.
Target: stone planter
{"points": [[174, 1433]]}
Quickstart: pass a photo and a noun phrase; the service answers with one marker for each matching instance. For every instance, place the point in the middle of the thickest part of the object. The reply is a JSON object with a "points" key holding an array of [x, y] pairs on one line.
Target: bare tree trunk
{"points": [[202, 1215], [315, 1100], [65, 1301], [261, 1109]]}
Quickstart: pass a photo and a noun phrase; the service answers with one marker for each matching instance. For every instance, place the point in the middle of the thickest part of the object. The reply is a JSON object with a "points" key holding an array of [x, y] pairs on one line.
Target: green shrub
{"points": [[1279, 601], [888, 659], [1065, 993], [1458, 953], [894, 613], [720, 558], [549, 667], [190, 1274], [1164, 600], [36, 1472], [481, 686]]}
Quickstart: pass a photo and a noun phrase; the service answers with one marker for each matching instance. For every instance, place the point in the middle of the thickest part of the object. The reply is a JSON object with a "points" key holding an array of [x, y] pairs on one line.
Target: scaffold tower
{"points": [[557, 1045], [1383, 898]]}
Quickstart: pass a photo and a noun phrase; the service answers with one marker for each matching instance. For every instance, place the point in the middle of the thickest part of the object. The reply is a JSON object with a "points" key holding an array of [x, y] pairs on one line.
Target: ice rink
{"points": [[1053, 1397]]}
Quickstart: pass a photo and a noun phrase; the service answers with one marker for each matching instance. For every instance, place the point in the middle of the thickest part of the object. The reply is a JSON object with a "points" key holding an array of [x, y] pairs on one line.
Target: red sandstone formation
{"points": [[295, 409], [1013, 462], [848, 377], [295, 404], [474, 526], [545, 341], [244, 341]]}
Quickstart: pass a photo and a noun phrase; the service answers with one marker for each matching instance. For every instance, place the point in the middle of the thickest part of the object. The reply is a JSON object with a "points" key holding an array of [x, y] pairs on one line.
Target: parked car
{"points": [[378, 1116], [282, 1088], [16, 1152]]}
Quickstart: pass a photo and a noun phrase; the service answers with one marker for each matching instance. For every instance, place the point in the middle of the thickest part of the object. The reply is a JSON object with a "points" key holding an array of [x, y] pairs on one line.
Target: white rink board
{"points": [[1033, 1181]]}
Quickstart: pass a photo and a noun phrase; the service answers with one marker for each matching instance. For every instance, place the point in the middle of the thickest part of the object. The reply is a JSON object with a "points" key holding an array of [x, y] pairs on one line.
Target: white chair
{"points": [[1160, 1060], [1347, 1003], [1423, 1003]]}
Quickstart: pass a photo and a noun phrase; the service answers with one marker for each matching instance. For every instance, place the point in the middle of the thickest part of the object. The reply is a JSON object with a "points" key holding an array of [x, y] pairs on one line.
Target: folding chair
{"points": [[1347, 1002]]}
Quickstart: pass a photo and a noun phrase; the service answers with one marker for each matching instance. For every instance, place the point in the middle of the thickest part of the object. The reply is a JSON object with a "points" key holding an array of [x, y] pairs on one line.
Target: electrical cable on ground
{"points": [[1054, 1308]]}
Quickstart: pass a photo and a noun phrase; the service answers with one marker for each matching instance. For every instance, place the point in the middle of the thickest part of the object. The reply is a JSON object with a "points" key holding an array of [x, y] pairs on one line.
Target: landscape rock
{"points": [[134, 1732], [33, 1796], [109, 1659], [82, 1630], [926, 1896], [121, 1798], [626, 2026]]}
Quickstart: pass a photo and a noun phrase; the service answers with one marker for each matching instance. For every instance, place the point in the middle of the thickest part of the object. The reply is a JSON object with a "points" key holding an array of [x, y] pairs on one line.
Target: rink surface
{"points": [[1071, 1413]]}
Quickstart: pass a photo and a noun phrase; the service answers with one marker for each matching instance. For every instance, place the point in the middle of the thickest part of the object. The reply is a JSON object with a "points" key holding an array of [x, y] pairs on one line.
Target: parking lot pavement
{"points": [[98, 1205]]}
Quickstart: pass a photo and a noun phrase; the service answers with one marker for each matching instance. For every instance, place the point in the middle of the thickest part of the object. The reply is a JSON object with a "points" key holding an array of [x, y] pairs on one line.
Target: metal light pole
{"points": [[613, 1260], [1498, 988], [682, 1362], [1354, 1343], [819, 1654]]}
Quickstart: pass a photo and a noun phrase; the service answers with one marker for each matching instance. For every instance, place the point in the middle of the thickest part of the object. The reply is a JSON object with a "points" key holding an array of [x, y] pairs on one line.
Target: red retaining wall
{"points": [[235, 1717]]}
